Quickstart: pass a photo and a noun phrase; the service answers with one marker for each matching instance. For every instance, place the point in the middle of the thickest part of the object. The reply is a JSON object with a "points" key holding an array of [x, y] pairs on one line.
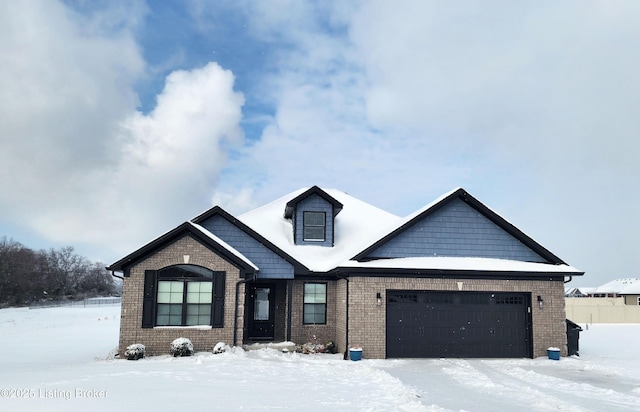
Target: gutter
{"points": [[235, 316]]}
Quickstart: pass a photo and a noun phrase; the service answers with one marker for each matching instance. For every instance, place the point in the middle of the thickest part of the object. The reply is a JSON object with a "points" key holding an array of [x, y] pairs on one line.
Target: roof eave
{"points": [[454, 273], [140, 254]]}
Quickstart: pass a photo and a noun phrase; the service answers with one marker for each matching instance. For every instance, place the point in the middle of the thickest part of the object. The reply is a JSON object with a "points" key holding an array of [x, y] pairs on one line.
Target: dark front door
{"points": [[423, 324], [261, 312]]}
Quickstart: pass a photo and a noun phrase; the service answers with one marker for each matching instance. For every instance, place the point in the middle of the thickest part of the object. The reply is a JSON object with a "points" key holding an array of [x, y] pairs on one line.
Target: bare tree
{"points": [[17, 275], [27, 276]]}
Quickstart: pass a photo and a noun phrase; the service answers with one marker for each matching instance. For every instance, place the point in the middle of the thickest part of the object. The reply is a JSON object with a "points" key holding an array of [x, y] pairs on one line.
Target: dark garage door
{"points": [[424, 324]]}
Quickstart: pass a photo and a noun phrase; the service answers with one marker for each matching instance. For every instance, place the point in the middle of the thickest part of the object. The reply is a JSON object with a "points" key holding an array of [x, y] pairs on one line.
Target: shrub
{"points": [[220, 347], [181, 347], [310, 348], [135, 351], [331, 347]]}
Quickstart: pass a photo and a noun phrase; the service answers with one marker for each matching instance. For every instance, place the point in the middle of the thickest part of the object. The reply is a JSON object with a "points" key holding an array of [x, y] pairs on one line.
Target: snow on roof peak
{"points": [[358, 225]]}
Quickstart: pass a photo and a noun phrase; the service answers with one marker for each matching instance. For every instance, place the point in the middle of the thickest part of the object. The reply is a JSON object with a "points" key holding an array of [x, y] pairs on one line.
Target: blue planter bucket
{"points": [[553, 353], [355, 354]]}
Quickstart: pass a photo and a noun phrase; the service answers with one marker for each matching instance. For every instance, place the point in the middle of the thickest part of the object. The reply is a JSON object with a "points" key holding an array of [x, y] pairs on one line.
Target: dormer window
{"points": [[314, 226], [313, 215]]}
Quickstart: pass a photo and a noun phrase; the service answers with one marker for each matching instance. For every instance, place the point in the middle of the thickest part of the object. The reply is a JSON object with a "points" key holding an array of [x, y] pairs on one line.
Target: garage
{"points": [[433, 324]]}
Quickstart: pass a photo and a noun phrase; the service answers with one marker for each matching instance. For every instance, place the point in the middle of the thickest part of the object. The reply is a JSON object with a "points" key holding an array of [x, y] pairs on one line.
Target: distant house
{"points": [[576, 292], [453, 279], [627, 288], [631, 294]]}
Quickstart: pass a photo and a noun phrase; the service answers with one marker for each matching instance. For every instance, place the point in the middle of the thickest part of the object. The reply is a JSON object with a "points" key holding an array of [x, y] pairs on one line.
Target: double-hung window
{"points": [[315, 304], [313, 226]]}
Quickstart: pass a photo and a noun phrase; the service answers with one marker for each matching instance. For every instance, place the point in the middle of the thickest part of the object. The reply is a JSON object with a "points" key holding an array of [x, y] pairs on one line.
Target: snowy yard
{"points": [[59, 359]]}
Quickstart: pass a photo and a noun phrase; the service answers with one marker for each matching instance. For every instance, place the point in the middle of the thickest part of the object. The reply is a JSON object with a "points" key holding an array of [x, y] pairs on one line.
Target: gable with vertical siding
{"points": [[456, 230]]}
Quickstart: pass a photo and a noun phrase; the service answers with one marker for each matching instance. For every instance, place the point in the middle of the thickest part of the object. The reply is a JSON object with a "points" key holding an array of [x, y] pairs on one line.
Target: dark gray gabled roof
{"points": [[200, 234], [291, 205]]}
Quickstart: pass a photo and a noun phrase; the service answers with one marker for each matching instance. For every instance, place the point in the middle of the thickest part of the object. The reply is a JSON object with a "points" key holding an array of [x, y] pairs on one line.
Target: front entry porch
{"points": [[267, 310]]}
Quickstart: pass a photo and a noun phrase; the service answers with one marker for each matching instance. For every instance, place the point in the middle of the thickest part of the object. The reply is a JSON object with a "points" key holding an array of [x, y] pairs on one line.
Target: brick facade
{"points": [[301, 333], [367, 320], [158, 340]]}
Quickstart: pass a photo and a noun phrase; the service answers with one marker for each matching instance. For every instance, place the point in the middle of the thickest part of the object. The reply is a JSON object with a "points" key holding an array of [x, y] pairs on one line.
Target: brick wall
{"points": [[158, 340], [367, 323], [301, 333], [341, 314]]}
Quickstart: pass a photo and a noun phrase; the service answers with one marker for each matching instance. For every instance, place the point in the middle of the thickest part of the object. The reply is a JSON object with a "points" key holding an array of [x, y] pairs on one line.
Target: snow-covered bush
{"points": [[181, 347], [135, 351], [310, 348], [220, 347]]}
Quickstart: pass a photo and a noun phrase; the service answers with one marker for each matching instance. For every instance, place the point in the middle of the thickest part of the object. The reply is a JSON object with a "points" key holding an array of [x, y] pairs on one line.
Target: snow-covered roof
{"points": [[358, 225], [224, 245], [621, 286], [631, 289], [462, 264], [618, 285], [196, 230], [357, 228]]}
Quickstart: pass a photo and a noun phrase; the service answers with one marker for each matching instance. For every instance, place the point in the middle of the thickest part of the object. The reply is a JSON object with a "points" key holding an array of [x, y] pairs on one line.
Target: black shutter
{"points": [[217, 307], [149, 299]]}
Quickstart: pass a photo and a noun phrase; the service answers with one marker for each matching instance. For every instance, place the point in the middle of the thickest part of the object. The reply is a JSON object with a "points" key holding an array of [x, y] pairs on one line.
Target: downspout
{"points": [[567, 281], [113, 273], [346, 332], [235, 317], [289, 307]]}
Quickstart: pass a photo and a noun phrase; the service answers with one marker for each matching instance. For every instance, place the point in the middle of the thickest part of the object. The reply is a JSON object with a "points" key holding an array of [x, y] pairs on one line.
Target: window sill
{"points": [[201, 327]]}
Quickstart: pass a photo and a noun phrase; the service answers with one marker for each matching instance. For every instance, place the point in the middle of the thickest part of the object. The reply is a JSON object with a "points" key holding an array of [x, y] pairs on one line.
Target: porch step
{"points": [[279, 346]]}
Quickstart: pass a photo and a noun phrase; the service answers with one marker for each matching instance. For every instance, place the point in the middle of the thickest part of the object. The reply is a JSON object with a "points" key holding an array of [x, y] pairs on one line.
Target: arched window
{"points": [[185, 295]]}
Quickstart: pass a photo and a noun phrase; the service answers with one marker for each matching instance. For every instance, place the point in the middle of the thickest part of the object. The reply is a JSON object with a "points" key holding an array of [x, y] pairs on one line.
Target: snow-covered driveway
{"points": [[58, 360], [524, 384]]}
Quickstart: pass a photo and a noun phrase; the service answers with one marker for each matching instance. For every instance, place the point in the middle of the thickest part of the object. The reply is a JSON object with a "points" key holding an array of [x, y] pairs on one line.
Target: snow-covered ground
{"points": [[60, 359]]}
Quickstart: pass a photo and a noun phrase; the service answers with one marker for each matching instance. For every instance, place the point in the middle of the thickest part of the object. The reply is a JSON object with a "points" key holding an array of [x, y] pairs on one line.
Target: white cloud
{"points": [[167, 168], [78, 163], [62, 84], [66, 81], [531, 107]]}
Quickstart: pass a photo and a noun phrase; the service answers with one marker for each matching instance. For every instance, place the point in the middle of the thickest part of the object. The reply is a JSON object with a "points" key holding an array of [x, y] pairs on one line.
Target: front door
{"points": [[261, 312]]}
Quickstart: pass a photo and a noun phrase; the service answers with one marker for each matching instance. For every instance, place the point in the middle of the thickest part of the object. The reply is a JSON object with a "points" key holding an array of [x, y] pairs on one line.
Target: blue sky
{"points": [[120, 119]]}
